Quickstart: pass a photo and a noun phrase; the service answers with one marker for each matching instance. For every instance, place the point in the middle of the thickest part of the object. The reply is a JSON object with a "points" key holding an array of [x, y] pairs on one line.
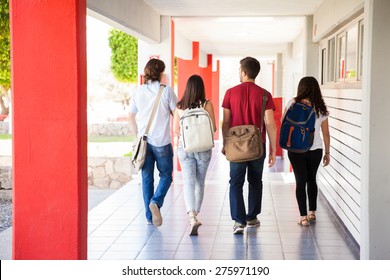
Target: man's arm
{"points": [[133, 124], [225, 126], [271, 132]]}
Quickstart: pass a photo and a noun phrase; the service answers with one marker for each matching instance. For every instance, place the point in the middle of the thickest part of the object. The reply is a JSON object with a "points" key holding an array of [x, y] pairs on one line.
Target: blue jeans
{"points": [[255, 190], [163, 157], [194, 167]]}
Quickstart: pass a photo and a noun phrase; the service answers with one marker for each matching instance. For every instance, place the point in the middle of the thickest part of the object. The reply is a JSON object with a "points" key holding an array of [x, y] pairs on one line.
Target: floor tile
{"points": [[117, 227]]}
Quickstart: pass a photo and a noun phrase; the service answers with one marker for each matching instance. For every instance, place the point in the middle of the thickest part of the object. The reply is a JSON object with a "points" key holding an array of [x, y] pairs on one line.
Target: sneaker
{"points": [[149, 222], [156, 214], [238, 228], [253, 223]]}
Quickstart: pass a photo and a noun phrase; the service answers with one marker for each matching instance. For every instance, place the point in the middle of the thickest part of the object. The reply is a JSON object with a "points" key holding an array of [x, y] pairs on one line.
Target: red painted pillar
{"points": [[278, 101], [172, 54], [187, 68], [206, 74], [215, 98], [50, 129]]}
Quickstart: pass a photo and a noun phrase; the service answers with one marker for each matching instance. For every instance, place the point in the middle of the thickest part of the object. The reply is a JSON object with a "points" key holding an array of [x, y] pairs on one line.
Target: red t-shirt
{"points": [[245, 103]]}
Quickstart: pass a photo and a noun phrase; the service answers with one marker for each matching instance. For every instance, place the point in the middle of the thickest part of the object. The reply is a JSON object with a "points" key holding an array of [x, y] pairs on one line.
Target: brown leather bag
{"points": [[244, 142]]}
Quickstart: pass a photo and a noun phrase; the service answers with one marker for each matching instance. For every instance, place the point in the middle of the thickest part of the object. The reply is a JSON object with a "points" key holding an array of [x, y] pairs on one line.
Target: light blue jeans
{"points": [[194, 167]]}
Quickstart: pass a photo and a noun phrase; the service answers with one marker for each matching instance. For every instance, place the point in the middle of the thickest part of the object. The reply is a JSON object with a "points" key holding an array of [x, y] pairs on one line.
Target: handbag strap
{"points": [[265, 98], [154, 109]]}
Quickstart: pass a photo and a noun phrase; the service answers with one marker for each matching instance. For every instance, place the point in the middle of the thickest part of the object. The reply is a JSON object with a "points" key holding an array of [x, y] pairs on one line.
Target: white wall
{"points": [[331, 14], [376, 133], [183, 46], [341, 181]]}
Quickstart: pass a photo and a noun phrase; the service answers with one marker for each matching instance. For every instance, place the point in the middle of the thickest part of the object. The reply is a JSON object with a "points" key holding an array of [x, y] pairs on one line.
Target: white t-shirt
{"points": [[317, 143], [142, 103]]}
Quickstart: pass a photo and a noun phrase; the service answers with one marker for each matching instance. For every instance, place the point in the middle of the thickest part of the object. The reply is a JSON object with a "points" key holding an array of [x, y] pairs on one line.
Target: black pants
{"points": [[305, 168]]}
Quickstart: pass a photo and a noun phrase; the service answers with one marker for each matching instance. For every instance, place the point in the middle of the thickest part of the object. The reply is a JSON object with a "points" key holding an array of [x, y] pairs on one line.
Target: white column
{"points": [[310, 54], [162, 50], [375, 223]]}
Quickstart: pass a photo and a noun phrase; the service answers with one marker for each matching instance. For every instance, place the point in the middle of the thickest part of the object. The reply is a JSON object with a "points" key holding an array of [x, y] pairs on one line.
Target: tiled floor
{"points": [[118, 230]]}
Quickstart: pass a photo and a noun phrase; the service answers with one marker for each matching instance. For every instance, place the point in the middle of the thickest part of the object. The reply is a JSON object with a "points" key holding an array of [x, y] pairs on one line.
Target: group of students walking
{"points": [[242, 105]]}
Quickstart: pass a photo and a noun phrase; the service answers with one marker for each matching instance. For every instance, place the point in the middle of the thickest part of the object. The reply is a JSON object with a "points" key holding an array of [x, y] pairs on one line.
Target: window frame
{"points": [[333, 48]]}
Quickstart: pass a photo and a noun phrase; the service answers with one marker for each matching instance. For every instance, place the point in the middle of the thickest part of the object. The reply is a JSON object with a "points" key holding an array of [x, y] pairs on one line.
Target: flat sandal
{"points": [[304, 222]]}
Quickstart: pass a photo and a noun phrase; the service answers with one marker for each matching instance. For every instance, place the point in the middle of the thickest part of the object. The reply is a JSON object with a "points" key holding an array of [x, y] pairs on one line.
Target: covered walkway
{"points": [[117, 228]]}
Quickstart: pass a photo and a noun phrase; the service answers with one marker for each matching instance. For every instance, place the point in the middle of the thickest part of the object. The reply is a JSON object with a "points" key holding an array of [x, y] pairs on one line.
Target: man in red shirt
{"points": [[242, 105]]}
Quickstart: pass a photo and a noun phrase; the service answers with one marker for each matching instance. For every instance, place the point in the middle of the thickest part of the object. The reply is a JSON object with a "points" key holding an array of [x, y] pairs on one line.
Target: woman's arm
{"points": [[176, 123], [326, 139], [210, 109]]}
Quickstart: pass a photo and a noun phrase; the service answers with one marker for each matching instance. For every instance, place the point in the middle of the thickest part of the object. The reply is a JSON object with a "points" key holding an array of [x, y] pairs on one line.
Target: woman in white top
{"points": [[305, 165], [194, 165]]}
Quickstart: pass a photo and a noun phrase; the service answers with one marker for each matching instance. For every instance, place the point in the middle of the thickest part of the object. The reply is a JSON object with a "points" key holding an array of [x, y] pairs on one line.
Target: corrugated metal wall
{"points": [[341, 181]]}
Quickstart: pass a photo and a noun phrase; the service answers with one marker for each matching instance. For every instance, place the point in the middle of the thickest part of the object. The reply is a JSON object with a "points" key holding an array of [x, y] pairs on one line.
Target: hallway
{"points": [[117, 229]]}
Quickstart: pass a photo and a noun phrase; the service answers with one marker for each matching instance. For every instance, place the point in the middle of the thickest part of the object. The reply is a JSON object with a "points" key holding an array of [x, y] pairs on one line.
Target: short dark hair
{"points": [[251, 66], [153, 70]]}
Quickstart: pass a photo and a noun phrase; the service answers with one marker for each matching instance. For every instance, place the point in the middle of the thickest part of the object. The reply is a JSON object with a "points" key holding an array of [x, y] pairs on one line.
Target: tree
{"points": [[5, 68], [124, 56]]}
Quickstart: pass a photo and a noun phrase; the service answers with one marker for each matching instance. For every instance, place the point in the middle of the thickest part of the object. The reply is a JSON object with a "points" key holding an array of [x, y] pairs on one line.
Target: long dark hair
{"points": [[153, 70], [194, 94], [308, 88]]}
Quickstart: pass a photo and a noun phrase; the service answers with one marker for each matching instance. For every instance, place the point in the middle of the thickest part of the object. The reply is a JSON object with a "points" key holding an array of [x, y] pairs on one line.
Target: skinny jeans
{"points": [[305, 167]]}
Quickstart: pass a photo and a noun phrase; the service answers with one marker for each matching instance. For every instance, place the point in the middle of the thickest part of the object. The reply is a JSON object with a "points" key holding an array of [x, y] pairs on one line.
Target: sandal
{"points": [[312, 218], [304, 222]]}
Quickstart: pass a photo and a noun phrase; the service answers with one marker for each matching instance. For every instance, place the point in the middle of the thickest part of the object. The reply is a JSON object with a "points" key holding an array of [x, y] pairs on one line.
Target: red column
{"points": [[50, 129], [215, 98], [277, 116]]}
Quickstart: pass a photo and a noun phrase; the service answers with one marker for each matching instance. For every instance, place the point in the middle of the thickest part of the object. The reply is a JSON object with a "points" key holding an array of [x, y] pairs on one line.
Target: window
{"points": [[360, 51], [342, 54], [341, 50], [323, 65], [331, 59], [351, 54]]}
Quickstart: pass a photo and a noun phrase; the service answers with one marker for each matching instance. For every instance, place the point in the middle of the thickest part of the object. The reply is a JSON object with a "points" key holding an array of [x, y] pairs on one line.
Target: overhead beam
{"points": [[133, 17]]}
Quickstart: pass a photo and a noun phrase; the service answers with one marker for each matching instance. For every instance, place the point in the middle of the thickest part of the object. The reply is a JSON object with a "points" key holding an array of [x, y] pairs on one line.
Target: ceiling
{"points": [[238, 27]]}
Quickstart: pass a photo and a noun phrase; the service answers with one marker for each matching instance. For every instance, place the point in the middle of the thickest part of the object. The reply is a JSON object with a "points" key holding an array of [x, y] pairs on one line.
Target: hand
{"points": [[223, 151], [326, 159], [271, 159]]}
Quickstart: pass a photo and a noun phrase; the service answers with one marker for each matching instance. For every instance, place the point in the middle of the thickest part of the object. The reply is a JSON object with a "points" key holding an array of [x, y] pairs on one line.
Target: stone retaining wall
{"points": [[5, 178], [103, 172], [110, 173], [109, 128], [4, 127], [94, 129]]}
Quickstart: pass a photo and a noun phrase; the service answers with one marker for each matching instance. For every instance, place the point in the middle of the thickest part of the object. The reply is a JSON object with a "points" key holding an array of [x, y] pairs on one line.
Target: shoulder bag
{"points": [[139, 151], [244, 142]]}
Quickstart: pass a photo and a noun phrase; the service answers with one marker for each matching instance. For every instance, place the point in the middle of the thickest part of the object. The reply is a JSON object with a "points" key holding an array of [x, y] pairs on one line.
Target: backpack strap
{"points": [[265, 98]]}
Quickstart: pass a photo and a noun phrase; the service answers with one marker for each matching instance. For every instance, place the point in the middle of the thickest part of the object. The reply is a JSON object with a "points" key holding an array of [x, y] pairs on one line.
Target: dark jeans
{"points": [[163, 157], [255, 189], [305, 168]]}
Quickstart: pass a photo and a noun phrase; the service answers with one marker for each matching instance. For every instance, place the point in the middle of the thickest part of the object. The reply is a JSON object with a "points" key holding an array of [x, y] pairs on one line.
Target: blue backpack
{"points": [[297, 130]]}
